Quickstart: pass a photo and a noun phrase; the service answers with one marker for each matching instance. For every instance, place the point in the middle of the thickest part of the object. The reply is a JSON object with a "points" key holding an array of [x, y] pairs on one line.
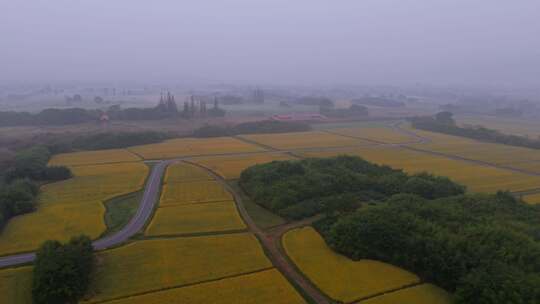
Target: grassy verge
{"points": [[262, 217], [120, 210]]}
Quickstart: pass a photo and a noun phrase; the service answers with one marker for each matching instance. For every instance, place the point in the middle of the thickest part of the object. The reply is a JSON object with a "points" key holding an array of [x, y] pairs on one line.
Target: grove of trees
{"points": [[482, 248], [62, 272]]}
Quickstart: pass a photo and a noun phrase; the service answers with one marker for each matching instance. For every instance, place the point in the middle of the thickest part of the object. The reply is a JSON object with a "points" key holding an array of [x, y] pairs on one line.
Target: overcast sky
{"points": [[272, 41]]}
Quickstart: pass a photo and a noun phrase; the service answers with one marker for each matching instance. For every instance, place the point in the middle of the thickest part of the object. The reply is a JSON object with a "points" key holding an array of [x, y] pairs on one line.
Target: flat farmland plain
{"points": [[195, 218], [72, 207], [153, 265], [298, 140], [93, 157], [421, 294], [263, 287], [194, 147], [337, 276], [230, 167], [477, 178]]}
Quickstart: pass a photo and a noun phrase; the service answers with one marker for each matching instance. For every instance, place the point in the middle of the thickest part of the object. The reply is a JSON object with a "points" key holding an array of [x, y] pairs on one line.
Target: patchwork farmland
{"points": [[205, 233]]}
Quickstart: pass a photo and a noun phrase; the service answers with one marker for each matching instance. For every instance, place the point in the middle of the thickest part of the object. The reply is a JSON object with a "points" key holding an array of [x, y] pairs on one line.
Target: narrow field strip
{"points": [[420, 294], [193, 192], [349, 280], [93, 157], [156, 264], [267, 286], [184, 172], [195, 218]]}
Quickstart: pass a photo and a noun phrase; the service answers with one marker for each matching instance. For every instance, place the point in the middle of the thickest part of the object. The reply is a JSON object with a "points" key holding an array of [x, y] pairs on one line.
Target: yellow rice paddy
{"points": [[337, 276]]}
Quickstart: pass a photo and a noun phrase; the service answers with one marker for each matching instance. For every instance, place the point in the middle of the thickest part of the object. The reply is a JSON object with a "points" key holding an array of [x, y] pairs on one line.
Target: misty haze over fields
{"points": [[474, 42]]}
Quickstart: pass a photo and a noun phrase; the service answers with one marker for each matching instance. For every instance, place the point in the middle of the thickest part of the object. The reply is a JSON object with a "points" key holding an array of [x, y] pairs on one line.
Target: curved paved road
{"points": [[150, 197]]}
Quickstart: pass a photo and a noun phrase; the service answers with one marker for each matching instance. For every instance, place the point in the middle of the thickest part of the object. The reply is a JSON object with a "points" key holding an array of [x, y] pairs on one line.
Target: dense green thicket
{"points": [[62, 271], [483, 248], [32, 163], [18, 189], [17, 197], [443, 123], [119, 140], [297, 189], [256, 127]]}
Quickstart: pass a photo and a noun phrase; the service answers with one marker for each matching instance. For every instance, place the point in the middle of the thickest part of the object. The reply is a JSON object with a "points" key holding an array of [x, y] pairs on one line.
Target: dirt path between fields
{"points": [[271, 242]]}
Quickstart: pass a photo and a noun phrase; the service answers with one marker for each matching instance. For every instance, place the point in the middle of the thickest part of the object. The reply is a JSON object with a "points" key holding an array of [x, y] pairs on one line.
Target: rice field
{"points": [[184, 172], [193, 147], [476, 177], [337, 276], [476, 150], [152, 265], [299, 140], [230, 167], [527, 166], [193, 192], [505, 125], [93, 157], [532, 198], [73, 206], [421, 294], [195, 218], [16, 285], [378, 134], [264, 287]]}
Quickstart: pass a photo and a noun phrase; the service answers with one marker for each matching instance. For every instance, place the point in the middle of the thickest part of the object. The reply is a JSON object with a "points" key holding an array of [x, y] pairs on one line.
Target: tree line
{"points": [[482, 248], [443, 122], [59, 117]]}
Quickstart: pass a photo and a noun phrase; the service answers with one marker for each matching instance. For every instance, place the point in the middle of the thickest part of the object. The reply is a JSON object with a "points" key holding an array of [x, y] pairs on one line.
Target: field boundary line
{"points": [[255, 143], [184, 285], [360, 300], [196, 234]]}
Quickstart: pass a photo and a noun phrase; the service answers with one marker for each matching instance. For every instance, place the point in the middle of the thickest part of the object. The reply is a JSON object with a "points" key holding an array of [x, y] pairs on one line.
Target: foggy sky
{"points": [[272, 41]]}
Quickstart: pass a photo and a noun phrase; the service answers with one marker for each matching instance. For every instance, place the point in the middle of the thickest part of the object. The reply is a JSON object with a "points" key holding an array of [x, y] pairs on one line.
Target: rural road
{"points": [[150, 197], [271, 243]]}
